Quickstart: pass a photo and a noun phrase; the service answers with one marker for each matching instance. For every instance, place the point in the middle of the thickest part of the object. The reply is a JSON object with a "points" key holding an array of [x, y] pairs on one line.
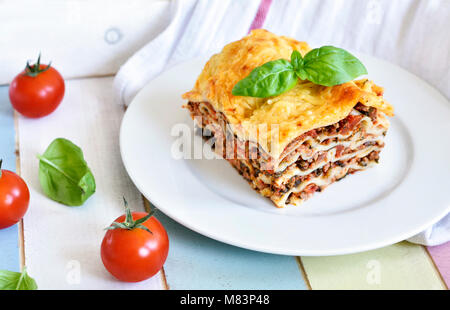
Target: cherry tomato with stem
{"points": [[14, 198], [37, 91], [135, 246]]}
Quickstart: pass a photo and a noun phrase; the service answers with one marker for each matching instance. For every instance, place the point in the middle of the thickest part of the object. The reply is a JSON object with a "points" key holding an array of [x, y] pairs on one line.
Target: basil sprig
{"points": [[10, 280], [327, 66], [64, 174], [271, 79]]}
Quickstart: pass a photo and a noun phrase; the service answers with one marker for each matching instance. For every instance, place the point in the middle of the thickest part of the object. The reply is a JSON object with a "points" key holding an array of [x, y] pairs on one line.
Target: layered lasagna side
{"points": [[293, 145]]}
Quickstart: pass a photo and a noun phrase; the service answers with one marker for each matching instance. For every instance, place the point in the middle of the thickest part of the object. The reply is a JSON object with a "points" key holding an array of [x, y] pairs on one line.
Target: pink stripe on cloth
{"points": [[441, 258], [260, 17]]}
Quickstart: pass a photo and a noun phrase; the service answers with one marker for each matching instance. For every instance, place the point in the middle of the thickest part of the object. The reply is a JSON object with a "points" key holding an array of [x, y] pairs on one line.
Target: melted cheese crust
{"points": [[274, 122]]}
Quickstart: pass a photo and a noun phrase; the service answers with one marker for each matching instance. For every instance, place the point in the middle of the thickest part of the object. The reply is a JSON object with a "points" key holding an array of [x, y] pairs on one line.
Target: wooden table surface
{"points": [[61, 245]]}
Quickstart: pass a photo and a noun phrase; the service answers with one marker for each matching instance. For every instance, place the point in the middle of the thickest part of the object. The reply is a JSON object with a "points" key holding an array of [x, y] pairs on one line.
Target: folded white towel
{"points": [[197, 27], [410, 33]]}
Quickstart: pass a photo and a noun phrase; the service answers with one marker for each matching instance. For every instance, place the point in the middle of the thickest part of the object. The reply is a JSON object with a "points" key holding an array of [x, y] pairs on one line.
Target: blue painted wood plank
{"points": [[9, 242], [198, 262]]}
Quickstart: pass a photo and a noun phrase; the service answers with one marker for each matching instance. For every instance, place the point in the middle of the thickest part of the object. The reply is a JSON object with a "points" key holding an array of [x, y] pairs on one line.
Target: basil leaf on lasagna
{"points": [[271, 79], [296, 60], [329, 66]]}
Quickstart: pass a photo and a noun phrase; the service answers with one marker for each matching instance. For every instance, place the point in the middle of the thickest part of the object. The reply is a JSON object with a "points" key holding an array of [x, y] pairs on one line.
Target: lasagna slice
{"points": [[295, 144]]}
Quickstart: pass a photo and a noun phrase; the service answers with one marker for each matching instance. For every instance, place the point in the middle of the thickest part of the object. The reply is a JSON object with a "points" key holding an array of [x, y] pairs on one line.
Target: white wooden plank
{"points": [[62, 243]]}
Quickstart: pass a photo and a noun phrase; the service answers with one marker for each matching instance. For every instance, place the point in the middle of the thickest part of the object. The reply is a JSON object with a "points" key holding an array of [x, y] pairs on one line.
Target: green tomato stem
{"points": [[130, 223], [35, 70]]}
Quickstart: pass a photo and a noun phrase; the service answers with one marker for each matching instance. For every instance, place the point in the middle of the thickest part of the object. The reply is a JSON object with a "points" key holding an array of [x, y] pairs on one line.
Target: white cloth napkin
{"points": [[411, 33], [197, 27], [92, 38]]}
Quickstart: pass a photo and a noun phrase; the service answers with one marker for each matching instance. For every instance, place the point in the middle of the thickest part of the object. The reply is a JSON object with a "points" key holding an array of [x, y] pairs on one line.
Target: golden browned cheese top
{"points": [[274, 122]]}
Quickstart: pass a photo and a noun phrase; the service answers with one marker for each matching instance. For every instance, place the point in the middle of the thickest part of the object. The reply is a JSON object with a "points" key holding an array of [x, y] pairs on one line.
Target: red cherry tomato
{"points": [[37, 91], [14, 198], [134, 255]]}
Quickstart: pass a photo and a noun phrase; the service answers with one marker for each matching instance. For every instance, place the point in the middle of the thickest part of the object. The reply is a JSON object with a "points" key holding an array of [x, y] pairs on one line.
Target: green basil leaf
{"points": [[271, 79], [330, 66], [64, 174], [10, 280], [296, 60]]}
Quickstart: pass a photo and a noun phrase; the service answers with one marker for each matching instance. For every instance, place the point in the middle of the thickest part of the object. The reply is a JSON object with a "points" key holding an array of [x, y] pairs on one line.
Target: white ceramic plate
{"points": [[408, 191]]}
